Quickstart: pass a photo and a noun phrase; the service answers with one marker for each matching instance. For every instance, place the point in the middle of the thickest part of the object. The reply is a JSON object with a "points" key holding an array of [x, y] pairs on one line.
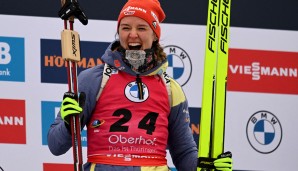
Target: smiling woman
{"points": [[136, 36], [141, 110], [139, 29]]}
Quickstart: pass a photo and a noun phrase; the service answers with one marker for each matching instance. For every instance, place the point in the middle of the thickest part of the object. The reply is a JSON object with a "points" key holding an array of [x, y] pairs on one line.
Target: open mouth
{"points": [[134, 46]]}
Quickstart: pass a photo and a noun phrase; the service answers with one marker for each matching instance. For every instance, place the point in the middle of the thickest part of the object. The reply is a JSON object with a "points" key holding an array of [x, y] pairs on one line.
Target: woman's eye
{"points": [[123, 27]]}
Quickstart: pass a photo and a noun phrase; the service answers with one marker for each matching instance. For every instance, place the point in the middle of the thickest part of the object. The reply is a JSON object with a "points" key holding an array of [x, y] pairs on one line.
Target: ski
{"points": [[212, 120], [70, 43]]}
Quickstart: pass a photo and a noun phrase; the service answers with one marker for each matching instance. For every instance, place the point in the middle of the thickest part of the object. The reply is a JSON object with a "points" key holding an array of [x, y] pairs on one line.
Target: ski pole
{"points": [[70, 42]]}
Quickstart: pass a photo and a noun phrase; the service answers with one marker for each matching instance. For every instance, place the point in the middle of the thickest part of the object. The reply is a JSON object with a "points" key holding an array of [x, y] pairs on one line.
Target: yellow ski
{"points": [[212, 121]]}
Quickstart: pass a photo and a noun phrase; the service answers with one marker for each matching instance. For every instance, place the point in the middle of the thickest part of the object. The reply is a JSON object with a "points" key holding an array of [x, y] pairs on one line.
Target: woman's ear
{"points": [[155, 38], [117, 36]]}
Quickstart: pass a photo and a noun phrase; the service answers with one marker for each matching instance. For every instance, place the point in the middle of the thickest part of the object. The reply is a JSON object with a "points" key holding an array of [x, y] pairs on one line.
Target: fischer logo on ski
{"points": [[212, 122]]}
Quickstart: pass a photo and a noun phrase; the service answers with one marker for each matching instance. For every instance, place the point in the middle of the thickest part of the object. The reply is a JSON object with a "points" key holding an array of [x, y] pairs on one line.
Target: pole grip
{"points": [[70, 42]]}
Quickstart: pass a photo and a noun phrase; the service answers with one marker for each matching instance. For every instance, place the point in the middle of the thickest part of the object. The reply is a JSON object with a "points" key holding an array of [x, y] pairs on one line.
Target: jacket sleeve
{"points": [[59, 135], [182, 146]]}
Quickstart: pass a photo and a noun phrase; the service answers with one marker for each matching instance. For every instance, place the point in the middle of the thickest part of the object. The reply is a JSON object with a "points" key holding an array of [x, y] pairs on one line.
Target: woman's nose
{"points": [[133, 33]]}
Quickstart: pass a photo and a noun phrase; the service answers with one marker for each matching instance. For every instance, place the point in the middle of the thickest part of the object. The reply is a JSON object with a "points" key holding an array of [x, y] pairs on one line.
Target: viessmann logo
{"points": [[12, 121], [53, 67], [263, 71]]}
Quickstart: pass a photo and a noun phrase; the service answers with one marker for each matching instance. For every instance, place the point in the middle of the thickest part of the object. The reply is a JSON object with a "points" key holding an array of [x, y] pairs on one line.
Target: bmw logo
{"points": [[264, 132], [131, 92], [180, 67]]}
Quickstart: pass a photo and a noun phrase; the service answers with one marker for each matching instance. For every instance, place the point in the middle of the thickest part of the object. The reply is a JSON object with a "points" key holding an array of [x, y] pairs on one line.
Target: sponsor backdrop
{"points": [[262, 96]]}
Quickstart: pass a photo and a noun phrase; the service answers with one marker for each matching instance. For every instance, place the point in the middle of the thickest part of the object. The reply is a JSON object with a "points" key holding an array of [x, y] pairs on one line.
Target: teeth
{"points": [[134, 44]]}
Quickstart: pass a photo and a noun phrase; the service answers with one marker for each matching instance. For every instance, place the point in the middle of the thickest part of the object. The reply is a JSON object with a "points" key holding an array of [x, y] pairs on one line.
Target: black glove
{"points": [[72, 8]]}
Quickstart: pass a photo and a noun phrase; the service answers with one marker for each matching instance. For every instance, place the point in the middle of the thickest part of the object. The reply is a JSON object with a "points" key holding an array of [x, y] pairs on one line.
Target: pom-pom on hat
{"points": [[148, 10]]}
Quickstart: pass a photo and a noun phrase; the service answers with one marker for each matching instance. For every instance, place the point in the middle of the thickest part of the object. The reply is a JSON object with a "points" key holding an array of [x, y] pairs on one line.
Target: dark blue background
{"points": [[273, 14]]}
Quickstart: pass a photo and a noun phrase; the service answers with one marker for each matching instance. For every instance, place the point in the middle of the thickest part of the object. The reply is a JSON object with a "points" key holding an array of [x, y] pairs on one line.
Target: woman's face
{"points": [[135, 34]]}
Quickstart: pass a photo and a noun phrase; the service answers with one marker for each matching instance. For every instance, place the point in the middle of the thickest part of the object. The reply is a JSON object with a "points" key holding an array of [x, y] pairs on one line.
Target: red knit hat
{"points": [[148, 10]]}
